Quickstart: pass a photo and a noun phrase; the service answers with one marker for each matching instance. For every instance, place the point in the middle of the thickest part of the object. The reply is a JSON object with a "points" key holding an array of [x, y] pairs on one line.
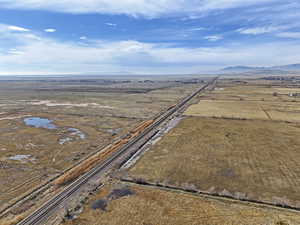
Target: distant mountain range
{"points": [[243, 69]]}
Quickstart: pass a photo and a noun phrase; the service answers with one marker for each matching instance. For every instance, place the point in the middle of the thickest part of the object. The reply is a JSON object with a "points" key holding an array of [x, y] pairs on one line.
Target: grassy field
{"points": [[227, 109], [252, 91], [256, 160], [148, 206], [102, 110], [278, 111], [47, 156], [244, 101]]}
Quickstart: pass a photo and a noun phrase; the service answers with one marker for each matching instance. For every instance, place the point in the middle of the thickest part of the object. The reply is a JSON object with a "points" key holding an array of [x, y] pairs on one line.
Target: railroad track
{"points": [[46, 210]]}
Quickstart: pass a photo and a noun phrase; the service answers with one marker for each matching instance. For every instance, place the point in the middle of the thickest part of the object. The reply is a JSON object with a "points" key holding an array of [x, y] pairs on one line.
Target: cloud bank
{"points": [[148, 8], [233, 34], [37, 53]]}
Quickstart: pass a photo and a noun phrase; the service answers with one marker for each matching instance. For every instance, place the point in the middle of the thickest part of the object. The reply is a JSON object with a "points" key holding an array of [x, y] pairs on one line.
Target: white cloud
{"points": [[111, 24], [198, 29], [295, 35], [32, 37], [83, 38], [260, 30], [40, 55], [214, 37], [15, 52], [16, 28], [148, 8], [50, 30]]}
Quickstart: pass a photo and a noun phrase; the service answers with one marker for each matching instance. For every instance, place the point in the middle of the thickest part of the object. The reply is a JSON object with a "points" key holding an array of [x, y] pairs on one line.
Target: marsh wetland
{"points": [[49, 124]]}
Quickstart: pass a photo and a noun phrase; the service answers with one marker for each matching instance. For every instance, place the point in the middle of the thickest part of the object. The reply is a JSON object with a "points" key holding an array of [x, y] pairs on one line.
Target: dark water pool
{"points": [[39, 123]]}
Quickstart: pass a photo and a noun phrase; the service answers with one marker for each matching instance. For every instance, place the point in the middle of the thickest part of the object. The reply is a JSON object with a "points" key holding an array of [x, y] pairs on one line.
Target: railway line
{"points": [[48, 208]]}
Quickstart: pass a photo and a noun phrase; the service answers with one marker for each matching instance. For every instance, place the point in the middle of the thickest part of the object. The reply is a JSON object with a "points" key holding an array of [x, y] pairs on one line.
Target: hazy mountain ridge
{"points": [[290, 67]]}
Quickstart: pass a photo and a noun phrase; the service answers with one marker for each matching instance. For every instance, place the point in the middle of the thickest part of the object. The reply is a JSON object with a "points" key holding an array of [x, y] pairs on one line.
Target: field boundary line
{"points": [[215, 196]]}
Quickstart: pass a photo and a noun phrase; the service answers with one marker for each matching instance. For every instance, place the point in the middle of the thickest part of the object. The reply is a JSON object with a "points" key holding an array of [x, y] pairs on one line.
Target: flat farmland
{"points": [[227, 109], [248, 102], [255, 160], [137, 205], [252, 92], [278, 111]]}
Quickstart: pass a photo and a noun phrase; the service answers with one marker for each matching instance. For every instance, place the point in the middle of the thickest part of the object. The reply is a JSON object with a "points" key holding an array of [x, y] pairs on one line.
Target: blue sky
{"points": [[146, 36]]}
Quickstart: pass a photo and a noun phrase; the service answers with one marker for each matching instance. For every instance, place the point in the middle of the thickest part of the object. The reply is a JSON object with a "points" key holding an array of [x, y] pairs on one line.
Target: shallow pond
{"points": [[74, 134], [39, 123], [21, 157]]}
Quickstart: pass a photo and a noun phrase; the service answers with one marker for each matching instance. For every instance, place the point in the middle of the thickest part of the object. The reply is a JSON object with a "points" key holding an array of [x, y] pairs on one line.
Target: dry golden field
{"points": [[148, 206], [278, 111], [255, 160], [47, 156], [241, 141], [244, 101], [100, 110], [227, 109], [258, 160], [252, 92]]}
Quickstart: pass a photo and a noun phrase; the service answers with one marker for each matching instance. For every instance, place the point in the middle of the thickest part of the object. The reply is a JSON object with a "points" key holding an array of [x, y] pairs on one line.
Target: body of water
{"points": [[39, 123]]}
